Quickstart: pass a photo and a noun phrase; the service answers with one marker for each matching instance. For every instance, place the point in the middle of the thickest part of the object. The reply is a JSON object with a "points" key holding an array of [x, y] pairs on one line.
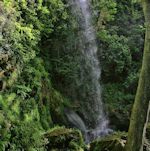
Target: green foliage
{"points": [[44, 15], [27, 136], [118, 55], [118, 104], [40, 67], [107, 10], [66, 67], [27, 97], [121, 44], [16, 131], [21, 38]]}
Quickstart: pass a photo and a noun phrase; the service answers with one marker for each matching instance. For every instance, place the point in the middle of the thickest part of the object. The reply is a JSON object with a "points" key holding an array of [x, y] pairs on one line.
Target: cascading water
{"points": [[92, 112]]}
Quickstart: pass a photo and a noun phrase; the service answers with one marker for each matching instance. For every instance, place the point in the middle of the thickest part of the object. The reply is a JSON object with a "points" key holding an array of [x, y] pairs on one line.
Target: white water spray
{"points": [[94, 113]]}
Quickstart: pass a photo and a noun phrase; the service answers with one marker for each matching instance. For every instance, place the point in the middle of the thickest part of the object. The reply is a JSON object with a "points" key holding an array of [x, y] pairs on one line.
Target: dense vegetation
{"points": [[40, 65]]}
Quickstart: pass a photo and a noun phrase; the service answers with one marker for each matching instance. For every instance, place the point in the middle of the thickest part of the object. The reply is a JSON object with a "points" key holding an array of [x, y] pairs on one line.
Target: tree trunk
{"points": [[141, 104]]}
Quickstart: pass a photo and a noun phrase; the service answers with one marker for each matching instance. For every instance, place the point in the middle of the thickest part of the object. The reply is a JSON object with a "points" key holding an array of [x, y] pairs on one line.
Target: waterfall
{"points": [[92, 107]]}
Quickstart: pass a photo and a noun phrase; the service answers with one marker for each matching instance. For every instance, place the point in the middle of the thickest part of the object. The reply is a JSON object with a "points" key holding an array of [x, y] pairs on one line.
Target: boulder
{"points": [[113, 142], [61, 138]]}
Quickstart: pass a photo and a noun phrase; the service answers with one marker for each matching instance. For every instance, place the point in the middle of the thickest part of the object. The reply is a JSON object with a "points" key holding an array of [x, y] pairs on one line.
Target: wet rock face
{"points": [[118, 121]]}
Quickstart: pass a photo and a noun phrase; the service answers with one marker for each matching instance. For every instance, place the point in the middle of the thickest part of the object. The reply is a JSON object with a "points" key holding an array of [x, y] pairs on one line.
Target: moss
{"points": [[116, 142], [113, 142], [27, 135], [64, 139]]}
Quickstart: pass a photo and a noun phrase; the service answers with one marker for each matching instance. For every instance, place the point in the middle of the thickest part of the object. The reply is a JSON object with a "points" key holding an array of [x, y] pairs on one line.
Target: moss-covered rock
{"points": [[117, 141], [64, 139], [113, 142]]}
